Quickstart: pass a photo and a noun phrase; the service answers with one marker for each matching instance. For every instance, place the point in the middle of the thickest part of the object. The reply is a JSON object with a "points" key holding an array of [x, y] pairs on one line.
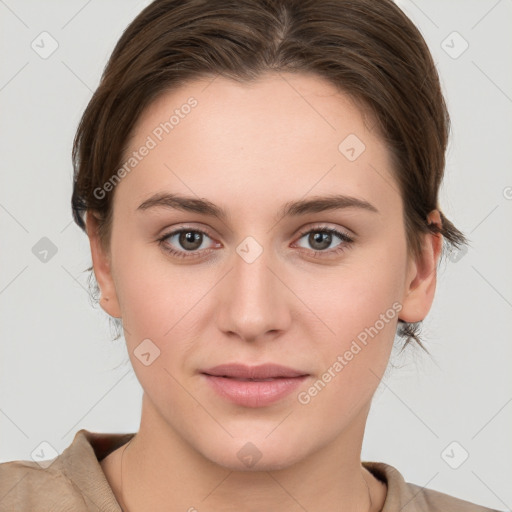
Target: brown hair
{"points": [[368, 49]]}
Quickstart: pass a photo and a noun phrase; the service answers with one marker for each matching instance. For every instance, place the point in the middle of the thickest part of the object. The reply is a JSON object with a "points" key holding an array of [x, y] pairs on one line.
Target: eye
{"points": [[321, 237], [191, 240]]}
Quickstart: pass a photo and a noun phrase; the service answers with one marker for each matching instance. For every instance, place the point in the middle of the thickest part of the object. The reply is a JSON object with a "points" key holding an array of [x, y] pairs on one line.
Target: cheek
{"points": [[352, 297], [152, 291], [358, 306], [163, 302], [362, 311], [157, 304]]}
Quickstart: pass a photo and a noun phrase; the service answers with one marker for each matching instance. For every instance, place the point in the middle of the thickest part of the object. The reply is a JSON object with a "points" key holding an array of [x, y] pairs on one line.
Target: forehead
{"points": [[287, 135]]}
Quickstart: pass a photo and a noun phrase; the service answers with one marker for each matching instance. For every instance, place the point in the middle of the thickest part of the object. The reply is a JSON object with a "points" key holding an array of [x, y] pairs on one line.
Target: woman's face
{"points": [[265, 283]]}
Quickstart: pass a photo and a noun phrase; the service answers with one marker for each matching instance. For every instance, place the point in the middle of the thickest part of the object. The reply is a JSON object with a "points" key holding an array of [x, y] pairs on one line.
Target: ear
{"points": [[422, 276], [102, 268]]}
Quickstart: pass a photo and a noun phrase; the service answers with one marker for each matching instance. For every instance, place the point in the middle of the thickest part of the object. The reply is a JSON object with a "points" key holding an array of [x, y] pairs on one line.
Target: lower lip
{"points": [[254, 393]]}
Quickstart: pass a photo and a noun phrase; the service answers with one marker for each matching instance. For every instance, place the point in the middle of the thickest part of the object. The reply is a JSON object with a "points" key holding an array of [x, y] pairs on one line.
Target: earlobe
{"points": [[421, 279], [102, 268]]}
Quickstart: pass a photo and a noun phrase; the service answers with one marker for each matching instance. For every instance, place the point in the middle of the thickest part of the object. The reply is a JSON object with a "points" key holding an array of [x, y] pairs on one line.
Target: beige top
{"points": [[75, 481]]}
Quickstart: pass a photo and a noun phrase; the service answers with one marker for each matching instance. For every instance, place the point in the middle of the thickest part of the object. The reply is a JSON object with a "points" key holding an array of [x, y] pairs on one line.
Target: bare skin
{"points": [[250, 149]]}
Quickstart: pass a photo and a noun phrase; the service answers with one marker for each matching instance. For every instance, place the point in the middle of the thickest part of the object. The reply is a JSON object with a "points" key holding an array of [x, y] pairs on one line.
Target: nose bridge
{"points": [[254, 303], [251, 272]]}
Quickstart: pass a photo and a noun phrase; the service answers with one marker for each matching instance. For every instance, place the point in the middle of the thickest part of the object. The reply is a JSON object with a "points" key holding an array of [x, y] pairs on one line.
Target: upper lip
{"points": [[262, 371]]}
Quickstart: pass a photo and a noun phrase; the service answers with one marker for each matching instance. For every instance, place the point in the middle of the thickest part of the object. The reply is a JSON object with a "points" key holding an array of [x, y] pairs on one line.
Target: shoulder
{"points": [[409, 497], [74, 480], [429, 499], [25, 485]]}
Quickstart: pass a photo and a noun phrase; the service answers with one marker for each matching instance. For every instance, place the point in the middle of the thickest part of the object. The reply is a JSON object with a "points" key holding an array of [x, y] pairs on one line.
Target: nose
{"points": [[254, 301]]}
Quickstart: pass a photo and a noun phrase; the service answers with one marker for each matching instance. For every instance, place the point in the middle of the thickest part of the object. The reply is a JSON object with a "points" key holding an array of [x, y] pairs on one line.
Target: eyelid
{"points": [[324, 227], [183, 227]]}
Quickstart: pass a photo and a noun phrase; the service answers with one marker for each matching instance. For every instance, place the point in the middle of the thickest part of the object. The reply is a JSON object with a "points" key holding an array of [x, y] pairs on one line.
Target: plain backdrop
{"points": [[59, 369]]}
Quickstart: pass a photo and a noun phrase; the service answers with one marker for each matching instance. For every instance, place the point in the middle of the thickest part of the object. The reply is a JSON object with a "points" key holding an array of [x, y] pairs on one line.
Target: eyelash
{"points": [[320, 229]]}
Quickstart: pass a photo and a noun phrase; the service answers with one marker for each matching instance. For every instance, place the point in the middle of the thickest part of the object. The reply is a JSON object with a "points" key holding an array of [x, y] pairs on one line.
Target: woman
{"points": [[259, 184]]}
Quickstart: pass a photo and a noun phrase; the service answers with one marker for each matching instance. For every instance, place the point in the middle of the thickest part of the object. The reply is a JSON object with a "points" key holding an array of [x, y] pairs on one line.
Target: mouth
{"points": [[246, 380], [262, 372], [256, 386]]}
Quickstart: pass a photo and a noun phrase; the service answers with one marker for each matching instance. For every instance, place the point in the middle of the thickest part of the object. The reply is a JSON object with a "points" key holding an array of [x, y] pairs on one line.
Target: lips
{"points": [[263, 372], [253, 386]]}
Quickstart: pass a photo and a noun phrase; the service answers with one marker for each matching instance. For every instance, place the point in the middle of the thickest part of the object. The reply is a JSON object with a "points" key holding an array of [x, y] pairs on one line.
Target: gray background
{"points": [[60, 372]]}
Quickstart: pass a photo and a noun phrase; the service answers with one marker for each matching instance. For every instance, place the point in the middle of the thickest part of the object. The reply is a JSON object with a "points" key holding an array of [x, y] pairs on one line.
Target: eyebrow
{"points": [[315, 204]]}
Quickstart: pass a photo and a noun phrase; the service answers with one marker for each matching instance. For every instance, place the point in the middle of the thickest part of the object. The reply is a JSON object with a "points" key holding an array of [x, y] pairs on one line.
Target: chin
{"points": [[254, 456]]}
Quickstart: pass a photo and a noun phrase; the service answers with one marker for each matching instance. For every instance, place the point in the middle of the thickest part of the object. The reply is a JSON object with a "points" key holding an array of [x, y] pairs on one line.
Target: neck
{"points": [[162, 471]]}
